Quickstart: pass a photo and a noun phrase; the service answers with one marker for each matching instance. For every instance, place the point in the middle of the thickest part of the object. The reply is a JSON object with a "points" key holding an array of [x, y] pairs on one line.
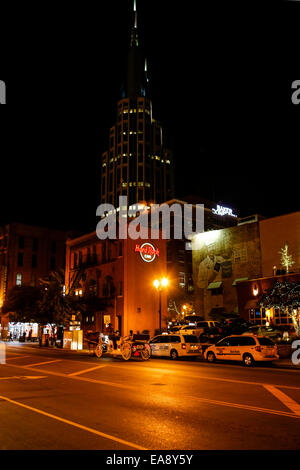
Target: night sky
{"points": [[221, 79]]}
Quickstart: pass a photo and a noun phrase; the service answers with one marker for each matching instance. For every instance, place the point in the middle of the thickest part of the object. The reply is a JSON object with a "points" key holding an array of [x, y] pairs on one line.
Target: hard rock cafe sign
{"points": [[147, 251]]}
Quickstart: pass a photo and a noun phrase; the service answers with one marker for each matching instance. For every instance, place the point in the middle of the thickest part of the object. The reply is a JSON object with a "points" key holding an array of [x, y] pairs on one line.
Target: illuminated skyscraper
{"points": [[137, 164]]}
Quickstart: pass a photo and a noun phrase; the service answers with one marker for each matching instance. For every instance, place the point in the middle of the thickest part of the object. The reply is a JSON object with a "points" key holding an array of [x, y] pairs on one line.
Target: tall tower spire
{"points": [[136, 74], [136, 165], [135, 13], [134, 41]]}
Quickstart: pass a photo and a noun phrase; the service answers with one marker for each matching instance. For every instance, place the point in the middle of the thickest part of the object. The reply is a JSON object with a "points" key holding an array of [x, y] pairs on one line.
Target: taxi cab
{"points": [[247, 349], [175, 345]]}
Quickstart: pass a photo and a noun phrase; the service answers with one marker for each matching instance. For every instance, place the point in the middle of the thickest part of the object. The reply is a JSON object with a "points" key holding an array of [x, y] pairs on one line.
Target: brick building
{"points": [[222, 259], [119, 274], [248, 293], [27, 253], [179, 259]]}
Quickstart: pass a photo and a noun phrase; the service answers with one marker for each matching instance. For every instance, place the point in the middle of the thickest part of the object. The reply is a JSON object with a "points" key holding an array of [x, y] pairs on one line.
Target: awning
{"points": [[214, 285], [251, 304], [239, 280]]}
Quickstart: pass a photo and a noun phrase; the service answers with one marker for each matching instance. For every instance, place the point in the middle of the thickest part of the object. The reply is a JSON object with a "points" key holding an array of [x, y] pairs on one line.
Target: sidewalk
{"points": [[285, 364]]}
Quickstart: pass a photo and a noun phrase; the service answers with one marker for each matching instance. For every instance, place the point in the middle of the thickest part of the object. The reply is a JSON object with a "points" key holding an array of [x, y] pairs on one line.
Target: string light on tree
{"points": [[286, 259], [284, 295]]}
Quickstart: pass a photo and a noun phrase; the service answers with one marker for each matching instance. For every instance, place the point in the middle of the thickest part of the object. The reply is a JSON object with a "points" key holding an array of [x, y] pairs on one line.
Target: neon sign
{"points": [[147, 251], [220, 210]]}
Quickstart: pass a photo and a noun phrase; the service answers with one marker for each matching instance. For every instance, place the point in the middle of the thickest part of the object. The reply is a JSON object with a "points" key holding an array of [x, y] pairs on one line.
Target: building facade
{"points": [[27, 254], [180, 260], [275, 233], [222, 259], [120, 273], [248, 295]]}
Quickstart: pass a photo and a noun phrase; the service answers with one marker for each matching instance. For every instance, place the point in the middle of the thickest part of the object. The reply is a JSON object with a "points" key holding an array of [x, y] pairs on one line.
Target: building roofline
{"points": [[269, 277], [282, 215], [81, 238]]}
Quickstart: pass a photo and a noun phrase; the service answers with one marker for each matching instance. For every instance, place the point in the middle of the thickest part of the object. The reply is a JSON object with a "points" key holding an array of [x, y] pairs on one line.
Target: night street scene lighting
{"points": [[149, 234]]}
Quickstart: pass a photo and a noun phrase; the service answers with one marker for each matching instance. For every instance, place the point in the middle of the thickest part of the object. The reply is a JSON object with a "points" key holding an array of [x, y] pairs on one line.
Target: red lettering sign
{"points": [[147, 251]]}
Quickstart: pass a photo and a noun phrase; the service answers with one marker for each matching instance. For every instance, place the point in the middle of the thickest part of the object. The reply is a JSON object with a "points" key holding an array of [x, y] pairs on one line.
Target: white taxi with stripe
{"points": [[175, 345], [247, 349]]}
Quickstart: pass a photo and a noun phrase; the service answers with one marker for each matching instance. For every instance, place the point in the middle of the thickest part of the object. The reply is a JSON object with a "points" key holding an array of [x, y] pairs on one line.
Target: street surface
{"points": [[54, 399]]}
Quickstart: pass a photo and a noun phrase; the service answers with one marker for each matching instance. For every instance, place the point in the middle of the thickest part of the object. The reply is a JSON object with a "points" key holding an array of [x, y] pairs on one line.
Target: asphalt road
{"points": [[53, 399]]}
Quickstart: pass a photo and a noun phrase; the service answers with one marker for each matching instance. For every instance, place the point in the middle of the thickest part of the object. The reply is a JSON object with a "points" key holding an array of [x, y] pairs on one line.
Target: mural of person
{"points": [[210, 267]]}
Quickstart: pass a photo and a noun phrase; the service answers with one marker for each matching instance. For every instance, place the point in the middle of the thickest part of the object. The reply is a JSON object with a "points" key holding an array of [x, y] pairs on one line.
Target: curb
{"points": [[86, 352]]}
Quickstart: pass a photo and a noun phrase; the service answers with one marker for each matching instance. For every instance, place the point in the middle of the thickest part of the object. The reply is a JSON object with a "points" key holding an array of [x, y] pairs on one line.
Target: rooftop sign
{"points": [[220, 210]]}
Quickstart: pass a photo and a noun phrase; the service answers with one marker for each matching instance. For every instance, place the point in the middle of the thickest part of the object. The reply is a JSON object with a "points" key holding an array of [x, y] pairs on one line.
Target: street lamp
{"points": [[160, 285]]}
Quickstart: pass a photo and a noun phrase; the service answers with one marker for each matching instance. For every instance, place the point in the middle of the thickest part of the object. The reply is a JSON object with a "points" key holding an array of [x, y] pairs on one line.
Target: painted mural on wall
{"points": [[222, 256]]}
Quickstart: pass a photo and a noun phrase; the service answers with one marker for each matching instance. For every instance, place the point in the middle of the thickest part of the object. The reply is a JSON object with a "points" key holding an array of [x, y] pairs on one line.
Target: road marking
{"points": [[203, 377], [16, 354], [286, 400], [30, 377], [244, 407], [205, 400], [84, 379], [18, 357], [76, 425], [42, 363], [128, 387], [86, 370]]}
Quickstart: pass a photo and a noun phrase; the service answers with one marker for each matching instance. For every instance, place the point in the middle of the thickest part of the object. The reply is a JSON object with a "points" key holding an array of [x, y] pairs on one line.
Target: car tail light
{"points": [[183, 346], [258, 348]]}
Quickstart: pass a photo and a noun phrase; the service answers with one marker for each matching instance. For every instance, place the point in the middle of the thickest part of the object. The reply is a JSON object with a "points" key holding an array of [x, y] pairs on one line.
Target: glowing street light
{"points": [[160, 285]]}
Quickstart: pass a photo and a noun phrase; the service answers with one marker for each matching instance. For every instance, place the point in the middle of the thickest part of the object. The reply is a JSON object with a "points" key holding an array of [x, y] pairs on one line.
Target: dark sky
{"points": [[221, 83]]}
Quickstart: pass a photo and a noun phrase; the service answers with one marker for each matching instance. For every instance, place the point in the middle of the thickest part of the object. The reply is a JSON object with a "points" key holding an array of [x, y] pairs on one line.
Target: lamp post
{"points": [[160, 285]]}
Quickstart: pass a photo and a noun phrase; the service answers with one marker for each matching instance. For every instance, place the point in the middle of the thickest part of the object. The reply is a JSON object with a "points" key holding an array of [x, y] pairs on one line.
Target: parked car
{"points": [[174, 328], [208, 324], [206, 342], [247, 349], [192, 318], [234, 326], [200, 328], [269, 331], [175, 345], [235, 321], [288, 332]]}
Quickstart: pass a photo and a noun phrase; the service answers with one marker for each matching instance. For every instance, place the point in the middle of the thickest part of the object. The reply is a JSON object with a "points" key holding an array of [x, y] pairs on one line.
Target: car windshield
{"points": [[265, 342], [190, 339]]}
